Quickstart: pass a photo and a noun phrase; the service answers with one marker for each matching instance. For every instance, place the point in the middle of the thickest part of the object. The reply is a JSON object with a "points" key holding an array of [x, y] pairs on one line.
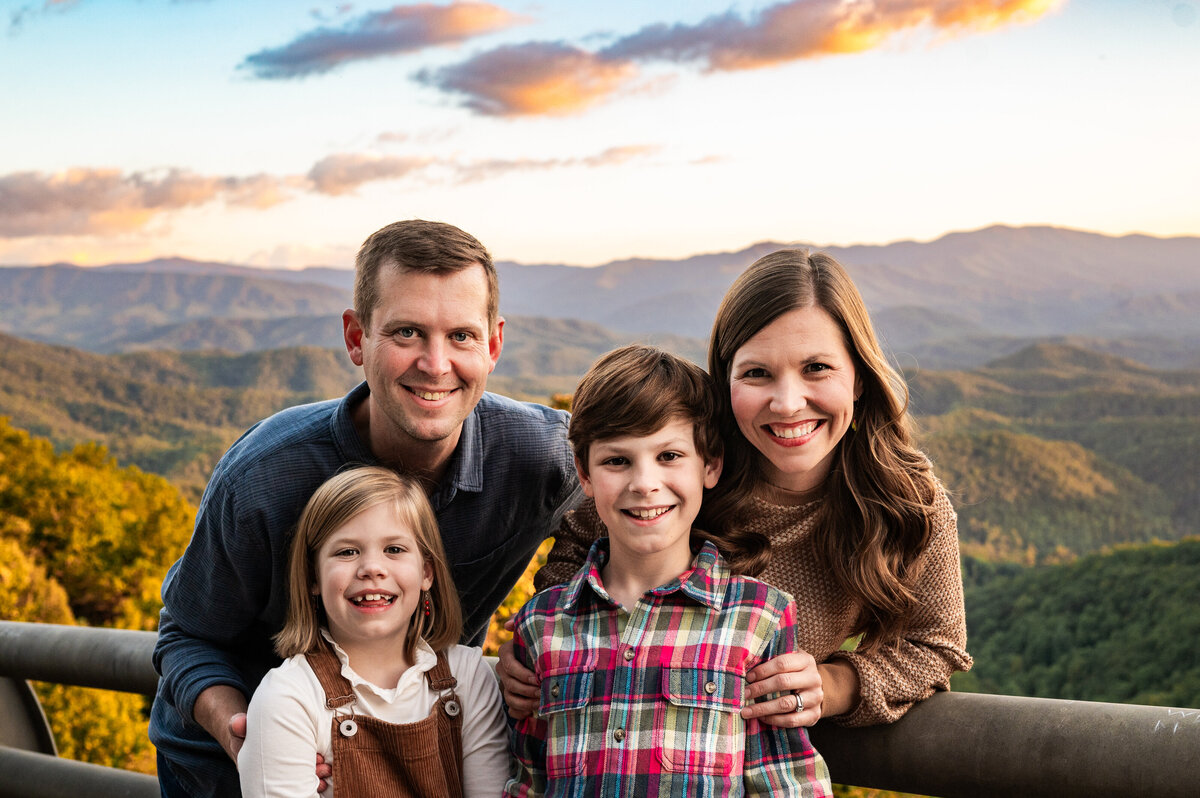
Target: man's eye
{"points": [[406, 332], [460, 337]]}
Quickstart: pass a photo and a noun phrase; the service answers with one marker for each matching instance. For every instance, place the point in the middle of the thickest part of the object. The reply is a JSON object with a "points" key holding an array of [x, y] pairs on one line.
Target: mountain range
{"points": [[957, 302]]}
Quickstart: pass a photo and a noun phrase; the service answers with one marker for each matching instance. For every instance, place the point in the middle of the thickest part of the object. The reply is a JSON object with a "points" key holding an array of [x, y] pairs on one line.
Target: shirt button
{"points": [[628, 654], [619, 735], [710, 687], [554, 691]]}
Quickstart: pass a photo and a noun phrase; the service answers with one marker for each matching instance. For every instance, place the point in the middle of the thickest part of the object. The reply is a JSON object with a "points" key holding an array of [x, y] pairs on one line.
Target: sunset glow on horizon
{"points": [[275, 134]]}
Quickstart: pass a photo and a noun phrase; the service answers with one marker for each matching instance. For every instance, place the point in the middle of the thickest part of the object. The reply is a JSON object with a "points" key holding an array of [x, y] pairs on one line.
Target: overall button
{"points": [[452, 708], [348, 728]]}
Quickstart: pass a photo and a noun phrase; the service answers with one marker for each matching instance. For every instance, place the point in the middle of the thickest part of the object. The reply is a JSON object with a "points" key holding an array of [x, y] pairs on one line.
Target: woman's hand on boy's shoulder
{"points": [[520, 686], [798, 681]]}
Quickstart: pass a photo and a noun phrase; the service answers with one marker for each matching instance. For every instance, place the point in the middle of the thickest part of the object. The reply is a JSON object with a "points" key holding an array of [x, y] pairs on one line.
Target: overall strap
{"points": [[328, 669], [440, 678]]}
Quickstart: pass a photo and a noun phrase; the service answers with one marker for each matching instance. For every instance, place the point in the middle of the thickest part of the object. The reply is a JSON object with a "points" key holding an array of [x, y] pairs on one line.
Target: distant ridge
{"points": [[959, 301]]}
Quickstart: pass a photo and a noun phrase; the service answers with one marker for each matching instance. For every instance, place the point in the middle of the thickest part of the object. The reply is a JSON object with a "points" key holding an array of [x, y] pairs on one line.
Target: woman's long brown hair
{"points": [[876, 517]]}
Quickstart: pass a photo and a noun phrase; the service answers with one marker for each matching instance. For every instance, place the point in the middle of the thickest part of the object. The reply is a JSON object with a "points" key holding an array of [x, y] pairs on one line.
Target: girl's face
{"points": [[370, 574], [792, 388]]}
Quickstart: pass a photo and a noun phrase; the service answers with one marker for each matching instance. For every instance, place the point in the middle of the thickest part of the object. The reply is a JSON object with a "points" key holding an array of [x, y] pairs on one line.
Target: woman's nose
{"points": [[790, 396]]}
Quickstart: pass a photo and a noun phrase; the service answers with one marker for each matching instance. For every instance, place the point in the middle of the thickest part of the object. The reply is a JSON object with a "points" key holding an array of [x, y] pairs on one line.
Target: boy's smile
{"points": [[648, 491]]}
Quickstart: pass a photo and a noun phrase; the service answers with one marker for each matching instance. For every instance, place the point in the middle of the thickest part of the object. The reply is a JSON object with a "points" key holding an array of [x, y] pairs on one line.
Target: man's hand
{"points": [[521, 687], [221, 710]]}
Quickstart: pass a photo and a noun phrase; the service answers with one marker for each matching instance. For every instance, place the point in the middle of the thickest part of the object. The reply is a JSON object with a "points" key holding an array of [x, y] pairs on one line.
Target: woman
{"points": [[822, 478]]}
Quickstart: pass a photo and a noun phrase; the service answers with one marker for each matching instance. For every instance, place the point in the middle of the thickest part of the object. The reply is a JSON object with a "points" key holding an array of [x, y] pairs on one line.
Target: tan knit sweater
{"points": [[892, 678]]}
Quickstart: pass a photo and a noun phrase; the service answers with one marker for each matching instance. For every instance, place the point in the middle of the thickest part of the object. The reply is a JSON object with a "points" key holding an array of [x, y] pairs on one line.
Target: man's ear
{"points": [[584, 481], [712, 471], [352, 334], [496, 343]]}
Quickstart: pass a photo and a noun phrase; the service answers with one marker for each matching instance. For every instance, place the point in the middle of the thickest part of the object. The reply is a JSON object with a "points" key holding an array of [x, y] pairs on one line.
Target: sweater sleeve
{"points": [[898, 675], [578, 531]]}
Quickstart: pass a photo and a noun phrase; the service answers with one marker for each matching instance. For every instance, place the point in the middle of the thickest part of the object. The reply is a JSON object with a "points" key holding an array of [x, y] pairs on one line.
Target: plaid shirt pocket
{"points": [[698, 728], [565, 698]]}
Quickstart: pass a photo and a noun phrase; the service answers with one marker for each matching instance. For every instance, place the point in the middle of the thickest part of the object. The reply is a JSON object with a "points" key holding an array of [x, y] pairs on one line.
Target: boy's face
{"points": [[648, 489]]}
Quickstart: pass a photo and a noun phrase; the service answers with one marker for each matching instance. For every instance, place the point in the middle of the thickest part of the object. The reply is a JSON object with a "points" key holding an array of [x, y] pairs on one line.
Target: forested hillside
{"points": [[83, 540], [1117, 627]]}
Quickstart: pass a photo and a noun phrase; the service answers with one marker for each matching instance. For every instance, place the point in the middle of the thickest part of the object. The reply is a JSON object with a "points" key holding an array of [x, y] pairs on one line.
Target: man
{"points": [[427, 331]]}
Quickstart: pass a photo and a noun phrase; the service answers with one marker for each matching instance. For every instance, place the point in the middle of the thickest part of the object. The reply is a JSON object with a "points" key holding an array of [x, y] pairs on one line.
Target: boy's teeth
{"points": [[646, 515], [432, 396], [794, 432]]}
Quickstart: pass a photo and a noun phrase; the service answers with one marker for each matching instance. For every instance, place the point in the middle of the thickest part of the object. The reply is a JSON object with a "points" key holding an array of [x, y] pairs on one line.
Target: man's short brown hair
{"points": [[637, 390], [421, 246]]}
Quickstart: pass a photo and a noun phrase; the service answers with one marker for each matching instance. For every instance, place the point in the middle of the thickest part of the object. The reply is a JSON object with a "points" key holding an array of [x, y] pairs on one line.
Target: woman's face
{"points": [[792, 388]]}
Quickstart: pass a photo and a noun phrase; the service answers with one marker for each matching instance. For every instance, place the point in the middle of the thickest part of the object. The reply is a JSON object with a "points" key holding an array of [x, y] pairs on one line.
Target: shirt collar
{"points": [[704, 582]]}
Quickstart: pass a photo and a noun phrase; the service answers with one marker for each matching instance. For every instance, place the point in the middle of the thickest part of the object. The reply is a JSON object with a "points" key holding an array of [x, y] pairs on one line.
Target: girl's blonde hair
{"points": [[339, 499]]}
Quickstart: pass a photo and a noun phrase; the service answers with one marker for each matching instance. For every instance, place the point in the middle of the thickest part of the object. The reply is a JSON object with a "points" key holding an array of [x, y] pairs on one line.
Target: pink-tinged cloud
{"points": [[810, 28], [105, 201], [401, 29], [613, 156], [344, 172], [555, 78], [532, 78]]}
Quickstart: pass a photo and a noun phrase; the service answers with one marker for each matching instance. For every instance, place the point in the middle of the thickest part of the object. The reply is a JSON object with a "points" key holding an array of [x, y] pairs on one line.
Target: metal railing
{"points": [[953, 745]]}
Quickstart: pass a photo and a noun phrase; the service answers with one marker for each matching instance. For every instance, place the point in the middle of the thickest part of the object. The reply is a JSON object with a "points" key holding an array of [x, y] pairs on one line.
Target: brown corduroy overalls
{"points": [[376, 759]]}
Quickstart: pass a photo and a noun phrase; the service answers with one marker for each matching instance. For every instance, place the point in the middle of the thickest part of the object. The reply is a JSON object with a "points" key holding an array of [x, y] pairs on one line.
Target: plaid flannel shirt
{"points": [[644, 702]]}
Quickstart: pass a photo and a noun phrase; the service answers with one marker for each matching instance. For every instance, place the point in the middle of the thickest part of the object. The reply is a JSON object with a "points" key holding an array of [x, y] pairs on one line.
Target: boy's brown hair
{"points": [[637, 390]]}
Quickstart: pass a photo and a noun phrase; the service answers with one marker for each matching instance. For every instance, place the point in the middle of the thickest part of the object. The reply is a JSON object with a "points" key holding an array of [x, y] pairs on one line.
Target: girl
{"points": [[372, 679]]}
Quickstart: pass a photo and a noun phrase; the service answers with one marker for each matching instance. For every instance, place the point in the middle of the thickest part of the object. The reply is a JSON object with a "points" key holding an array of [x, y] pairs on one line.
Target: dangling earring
{"points": [[854, 425], [426, 595]]}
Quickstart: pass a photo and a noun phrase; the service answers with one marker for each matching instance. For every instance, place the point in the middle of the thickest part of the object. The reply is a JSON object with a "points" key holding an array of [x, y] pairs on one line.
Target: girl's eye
{"points": [[395, 550], [345, 552]]}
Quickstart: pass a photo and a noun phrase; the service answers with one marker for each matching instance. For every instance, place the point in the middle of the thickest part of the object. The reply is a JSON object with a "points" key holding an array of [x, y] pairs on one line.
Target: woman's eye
{"points": [[814, 367], [754, 374]]}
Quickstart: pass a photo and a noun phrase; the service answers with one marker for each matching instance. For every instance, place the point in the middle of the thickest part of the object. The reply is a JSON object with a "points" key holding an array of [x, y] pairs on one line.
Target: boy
{"points": [[642, 655]]}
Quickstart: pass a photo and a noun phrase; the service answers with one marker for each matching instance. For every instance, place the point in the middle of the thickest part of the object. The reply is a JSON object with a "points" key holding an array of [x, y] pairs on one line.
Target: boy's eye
{"points": [[614, 461], [669, 456]]}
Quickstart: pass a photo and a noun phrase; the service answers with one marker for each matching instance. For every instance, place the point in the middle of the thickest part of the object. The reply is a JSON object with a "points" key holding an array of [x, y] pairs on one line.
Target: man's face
{"points": [[426, 355]]}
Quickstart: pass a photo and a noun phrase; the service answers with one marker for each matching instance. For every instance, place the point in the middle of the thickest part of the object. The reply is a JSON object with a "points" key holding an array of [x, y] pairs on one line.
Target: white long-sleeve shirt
{"points": [[288, 723]]}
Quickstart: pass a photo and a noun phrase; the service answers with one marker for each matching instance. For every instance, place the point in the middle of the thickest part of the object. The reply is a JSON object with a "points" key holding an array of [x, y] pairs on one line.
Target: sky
{"points": [[282, 134]]}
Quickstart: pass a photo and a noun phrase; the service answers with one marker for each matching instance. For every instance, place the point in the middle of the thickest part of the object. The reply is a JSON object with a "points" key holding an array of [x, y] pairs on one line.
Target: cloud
{"points": [[400, 29], [556, 78], [17, 17], [487, 169], [105, 201], [342, 173], [809, 28], [101, 202], [532, 78]]}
